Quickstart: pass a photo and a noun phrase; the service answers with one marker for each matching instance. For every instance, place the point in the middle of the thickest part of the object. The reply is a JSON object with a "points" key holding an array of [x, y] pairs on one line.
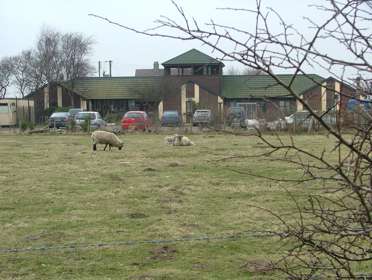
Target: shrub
{"points": [[85, 126], [72, 124], [113, 117], [24, 125]]}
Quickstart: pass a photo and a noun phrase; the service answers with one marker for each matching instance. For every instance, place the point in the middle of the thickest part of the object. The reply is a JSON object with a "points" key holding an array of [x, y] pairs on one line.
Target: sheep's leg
{"points": [[105, 147], [94, 147], [110, 147]]}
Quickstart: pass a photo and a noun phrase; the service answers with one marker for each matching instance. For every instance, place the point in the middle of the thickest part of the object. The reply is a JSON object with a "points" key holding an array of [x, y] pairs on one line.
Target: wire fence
{"points": [[110, 244]]}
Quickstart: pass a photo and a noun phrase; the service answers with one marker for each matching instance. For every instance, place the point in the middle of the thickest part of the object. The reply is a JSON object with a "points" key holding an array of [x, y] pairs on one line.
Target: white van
{"points": [[8, 115]]}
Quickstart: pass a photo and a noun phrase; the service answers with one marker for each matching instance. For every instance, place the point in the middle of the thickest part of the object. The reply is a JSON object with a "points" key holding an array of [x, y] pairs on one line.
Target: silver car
{"points": [[95, 119], [202, 117]]}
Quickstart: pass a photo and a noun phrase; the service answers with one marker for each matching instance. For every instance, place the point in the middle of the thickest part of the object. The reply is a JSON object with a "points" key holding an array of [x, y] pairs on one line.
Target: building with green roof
{"points": [[190, 80]]}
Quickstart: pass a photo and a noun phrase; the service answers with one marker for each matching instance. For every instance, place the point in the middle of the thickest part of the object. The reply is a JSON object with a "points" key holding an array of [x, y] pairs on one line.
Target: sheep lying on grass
{"points": [[106, 138], [178, 140]]}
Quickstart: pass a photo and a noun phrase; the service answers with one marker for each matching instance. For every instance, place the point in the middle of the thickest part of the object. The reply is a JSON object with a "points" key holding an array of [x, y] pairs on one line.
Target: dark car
{"points": [[138, 120], [235, 117], [171, 118], [58, 120]]}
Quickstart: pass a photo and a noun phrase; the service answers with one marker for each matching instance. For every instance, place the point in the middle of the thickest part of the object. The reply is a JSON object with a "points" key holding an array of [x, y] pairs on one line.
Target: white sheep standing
{"points": [[106, 138]]}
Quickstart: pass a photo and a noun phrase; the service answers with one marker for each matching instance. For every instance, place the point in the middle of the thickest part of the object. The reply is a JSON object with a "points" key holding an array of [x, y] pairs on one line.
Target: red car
{"points": [[137, 120]]}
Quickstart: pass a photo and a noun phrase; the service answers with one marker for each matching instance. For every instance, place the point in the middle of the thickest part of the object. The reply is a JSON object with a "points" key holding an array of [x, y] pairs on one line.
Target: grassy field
{"points": [[54, 191]]}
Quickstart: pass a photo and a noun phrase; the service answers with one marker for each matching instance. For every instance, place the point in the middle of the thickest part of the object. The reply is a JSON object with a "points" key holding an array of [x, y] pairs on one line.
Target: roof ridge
{"points": [[248, 75], [114, 78], [206, 57]]}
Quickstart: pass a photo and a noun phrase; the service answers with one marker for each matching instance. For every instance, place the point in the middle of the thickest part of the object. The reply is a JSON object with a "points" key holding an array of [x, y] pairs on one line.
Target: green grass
{"points": [[55, 191]]}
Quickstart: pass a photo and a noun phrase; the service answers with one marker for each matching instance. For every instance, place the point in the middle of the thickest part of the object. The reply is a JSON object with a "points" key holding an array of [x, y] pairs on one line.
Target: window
{"points": [[284, 106], [215, 70], [131, 104], [174, 71], [198, 70], [4, 108], [187, 71]]}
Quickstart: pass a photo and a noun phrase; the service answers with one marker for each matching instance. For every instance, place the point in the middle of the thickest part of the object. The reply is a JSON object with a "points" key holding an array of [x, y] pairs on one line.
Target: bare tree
{"points": [[48, 55], [74, 50], [333, 233], [57, 57], [61, 56], [5, 75], [74, 62], [22, 72]]}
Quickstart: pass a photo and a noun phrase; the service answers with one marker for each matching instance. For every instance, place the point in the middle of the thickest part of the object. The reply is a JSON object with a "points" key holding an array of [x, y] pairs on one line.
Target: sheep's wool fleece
{"points": [[104, 137], [178, 140]]}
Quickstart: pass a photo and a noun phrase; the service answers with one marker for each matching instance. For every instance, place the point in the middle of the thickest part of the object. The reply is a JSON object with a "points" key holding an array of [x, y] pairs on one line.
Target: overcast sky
{"points": [[21, 22]]}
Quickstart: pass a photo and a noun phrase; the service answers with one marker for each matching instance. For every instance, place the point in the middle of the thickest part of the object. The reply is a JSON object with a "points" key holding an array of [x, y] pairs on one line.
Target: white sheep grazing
{"points": [[106, 138]]}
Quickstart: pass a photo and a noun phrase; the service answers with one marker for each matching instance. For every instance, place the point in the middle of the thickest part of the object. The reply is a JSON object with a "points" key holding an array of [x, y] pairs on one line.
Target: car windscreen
{"points": [[202, 113], [134, 115], [84, 116], [74, 111], [59, 115], [170, 114]]}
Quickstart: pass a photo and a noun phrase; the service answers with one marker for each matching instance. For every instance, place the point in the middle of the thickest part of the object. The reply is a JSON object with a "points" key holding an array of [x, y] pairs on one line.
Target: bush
{"points": [[51, 110], [72, 124], [113, 117], [85, 126], [24, 125]]}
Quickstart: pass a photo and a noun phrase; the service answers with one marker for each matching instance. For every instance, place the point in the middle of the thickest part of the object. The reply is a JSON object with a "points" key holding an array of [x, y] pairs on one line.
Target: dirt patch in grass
{"points": [[174, 164], [149, 169], [163, 253], [137, 216], [258, 266], [199, 266]]}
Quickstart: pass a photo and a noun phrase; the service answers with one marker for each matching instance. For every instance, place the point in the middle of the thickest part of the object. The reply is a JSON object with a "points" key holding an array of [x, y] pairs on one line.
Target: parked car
{"points": [[95, 118], [171, 118], [73, 112], [58, 120], [235, 117], [138, 120], [202, 117]]}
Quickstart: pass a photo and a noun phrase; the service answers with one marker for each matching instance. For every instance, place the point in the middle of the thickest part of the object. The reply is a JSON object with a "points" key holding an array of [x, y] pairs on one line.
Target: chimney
{"points": [[156, 65]]}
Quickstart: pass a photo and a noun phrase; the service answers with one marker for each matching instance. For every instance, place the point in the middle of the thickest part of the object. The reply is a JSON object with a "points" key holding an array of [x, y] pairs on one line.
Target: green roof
{"points": [[191, 57], [148, 88], [260, 86], [117, 87]]}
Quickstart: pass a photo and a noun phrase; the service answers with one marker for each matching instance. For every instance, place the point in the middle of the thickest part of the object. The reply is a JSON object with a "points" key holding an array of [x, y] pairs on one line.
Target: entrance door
{"points": [[249, 110]]}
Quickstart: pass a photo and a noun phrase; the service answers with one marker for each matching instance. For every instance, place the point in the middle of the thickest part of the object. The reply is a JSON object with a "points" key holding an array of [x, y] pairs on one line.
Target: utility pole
{"points": [[110, 65], [99, 68]]}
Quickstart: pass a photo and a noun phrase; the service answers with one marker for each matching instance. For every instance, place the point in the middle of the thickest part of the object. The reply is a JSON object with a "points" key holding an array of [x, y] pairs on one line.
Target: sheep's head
{"points": [[120, 146]]}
